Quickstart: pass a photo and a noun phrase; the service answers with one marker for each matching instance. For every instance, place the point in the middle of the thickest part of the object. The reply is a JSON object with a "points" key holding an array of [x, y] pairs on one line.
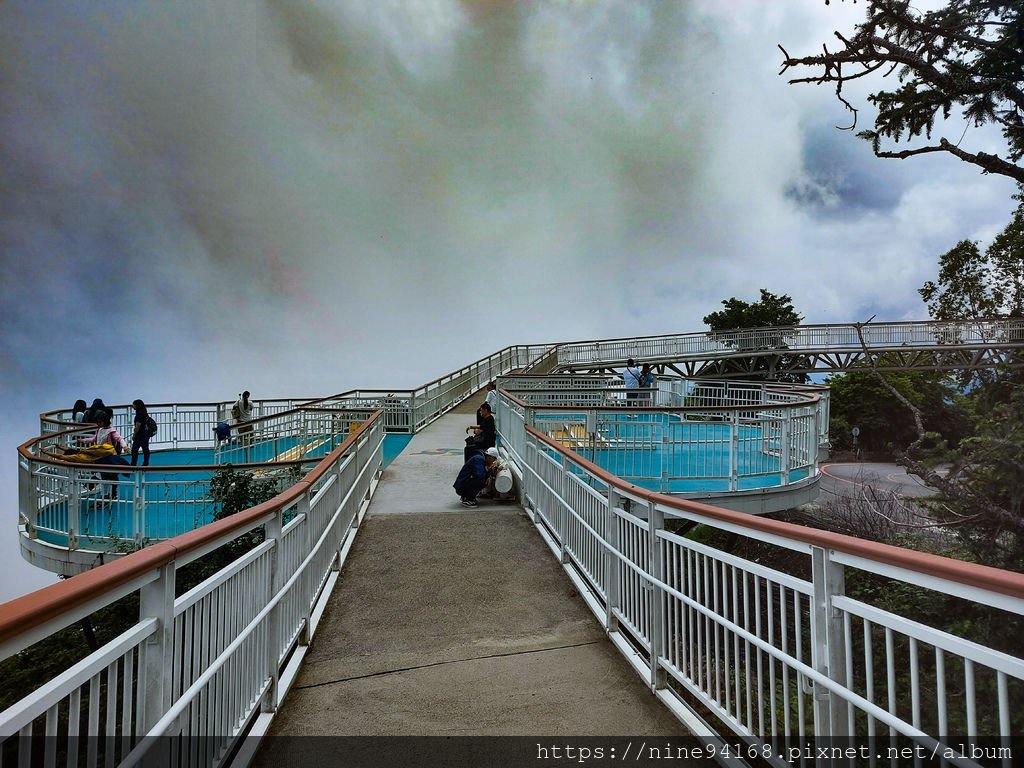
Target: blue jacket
{"points": [[473, 472]]}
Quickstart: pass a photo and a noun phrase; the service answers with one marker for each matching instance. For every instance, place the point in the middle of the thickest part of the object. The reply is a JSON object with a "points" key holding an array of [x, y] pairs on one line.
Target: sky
{"points": [[301, 197]]}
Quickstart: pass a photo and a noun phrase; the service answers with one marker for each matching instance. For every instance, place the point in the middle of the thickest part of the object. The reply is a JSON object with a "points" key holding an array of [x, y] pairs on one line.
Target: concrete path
{"points": [[458, 622]]}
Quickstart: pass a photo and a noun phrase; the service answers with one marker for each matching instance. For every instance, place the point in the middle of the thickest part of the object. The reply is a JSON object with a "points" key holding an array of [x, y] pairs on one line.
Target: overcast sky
{"points": [[299, 197]]}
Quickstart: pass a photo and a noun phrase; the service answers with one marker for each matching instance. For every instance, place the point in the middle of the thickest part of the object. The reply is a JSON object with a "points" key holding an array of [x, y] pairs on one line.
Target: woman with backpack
{"points": [[144, 428]]}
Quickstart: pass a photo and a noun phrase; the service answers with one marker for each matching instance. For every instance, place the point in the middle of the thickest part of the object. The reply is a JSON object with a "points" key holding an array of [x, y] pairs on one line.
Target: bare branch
{"points": [[988, 163], [931, 478]]}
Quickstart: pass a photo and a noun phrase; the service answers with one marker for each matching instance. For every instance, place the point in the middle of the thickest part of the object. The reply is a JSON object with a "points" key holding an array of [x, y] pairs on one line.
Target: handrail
{"points": [[438, 380], [800, 397], [810, 327], [969, 574], [36, 608]]}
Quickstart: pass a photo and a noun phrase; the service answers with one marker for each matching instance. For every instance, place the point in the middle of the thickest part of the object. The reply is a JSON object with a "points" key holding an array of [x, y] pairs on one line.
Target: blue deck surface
{"points": [[673, 456], [173, 502]]}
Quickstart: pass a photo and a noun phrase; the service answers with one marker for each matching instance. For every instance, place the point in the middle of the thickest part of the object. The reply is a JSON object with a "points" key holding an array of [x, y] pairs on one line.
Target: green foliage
{"points": [[966, 56], [1006, 263], [990, 464], [771, 311], [886, 425], [971, 284], [234, 491]]}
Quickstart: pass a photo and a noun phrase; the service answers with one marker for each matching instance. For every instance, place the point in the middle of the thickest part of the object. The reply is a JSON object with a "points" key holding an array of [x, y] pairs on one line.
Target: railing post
{"points": [[563, 513], [734, 450], [74, 507], [656, 603], [273, 532], [156, 600], [827, 643], [307, 579], [784, 448], [612, 564], [139, 507], [28, 500]]}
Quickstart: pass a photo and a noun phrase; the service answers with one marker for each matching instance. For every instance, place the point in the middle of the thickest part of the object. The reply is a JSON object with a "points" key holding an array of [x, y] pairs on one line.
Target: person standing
{"points": [[78, 412], [141, 433], [92, 413], [492, 396], [631, 379], [647, 382], [241, 412]]}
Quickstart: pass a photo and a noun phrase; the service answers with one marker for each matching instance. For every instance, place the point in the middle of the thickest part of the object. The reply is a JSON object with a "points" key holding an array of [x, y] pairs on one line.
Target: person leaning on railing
{"points": [[103, 447]]}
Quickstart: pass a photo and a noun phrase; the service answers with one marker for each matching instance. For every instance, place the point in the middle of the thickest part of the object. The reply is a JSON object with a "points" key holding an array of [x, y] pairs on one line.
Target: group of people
{"points": [[636, 378], [481, 459], [143, 428], [106, 445]]}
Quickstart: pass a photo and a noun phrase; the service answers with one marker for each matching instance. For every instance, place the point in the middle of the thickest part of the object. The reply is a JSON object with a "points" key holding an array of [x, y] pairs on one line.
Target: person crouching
{"points": [[473, 476]]}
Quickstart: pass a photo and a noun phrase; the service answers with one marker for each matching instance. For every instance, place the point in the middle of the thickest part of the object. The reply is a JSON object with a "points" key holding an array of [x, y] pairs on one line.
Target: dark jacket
{"points": [[472, 477]]}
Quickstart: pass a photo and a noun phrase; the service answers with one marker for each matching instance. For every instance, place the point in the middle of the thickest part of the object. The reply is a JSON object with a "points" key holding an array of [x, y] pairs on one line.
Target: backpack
{"points": [[150, 426]]}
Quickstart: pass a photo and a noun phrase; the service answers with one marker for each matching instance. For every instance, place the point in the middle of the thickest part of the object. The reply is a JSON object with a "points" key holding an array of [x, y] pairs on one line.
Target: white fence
{"points": [[680, 436], [790, 649], [90, 510], [835, 338], [200, 670], [781, 656]]}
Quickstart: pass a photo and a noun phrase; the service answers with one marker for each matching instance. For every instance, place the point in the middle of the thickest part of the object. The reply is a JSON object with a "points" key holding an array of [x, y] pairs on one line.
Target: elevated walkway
{"points": [[457, 622]]}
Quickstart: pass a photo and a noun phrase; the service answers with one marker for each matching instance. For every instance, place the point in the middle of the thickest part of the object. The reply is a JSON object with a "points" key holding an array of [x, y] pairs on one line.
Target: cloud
{"points": [[305, 196]]}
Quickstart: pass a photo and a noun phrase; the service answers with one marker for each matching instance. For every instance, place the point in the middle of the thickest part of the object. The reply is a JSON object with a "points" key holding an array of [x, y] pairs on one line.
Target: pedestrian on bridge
{"points": [[631, 377], [473, 476], [484, 432]]}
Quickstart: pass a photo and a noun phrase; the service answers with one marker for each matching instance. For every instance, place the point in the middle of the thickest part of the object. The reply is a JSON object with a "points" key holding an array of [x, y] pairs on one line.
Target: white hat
{"points": [[493, 452]]}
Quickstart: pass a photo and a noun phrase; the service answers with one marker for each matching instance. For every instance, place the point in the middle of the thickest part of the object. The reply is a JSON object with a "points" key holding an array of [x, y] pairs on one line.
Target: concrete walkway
{"points": [[458, 622]]}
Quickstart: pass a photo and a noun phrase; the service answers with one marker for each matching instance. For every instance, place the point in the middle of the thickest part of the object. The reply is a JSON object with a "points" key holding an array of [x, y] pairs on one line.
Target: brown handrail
{"points": [[36, 608], [969, 574]]}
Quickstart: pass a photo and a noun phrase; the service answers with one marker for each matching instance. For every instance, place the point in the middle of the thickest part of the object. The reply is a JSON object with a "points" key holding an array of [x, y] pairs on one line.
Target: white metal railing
{"points": [[199, 671], [410, 411], [780, 656], [178, 425], [837, 338], [680, 436], [111, 509], [772, 652]]}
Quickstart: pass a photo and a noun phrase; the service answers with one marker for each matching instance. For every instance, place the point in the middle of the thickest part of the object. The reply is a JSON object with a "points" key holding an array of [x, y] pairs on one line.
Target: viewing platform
{"points": [[632, 587]]}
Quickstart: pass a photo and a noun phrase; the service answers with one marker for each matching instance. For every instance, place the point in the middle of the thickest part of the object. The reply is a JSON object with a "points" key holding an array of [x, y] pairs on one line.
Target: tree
{"points": [[859, 399], [967, 55], [974, 284], [743, 325], [231, 492], [974, 505], [771, 311]]}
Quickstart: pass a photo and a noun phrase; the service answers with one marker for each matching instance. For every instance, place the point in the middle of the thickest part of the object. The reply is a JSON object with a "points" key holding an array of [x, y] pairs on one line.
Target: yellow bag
{"points": [[91, 453]]}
